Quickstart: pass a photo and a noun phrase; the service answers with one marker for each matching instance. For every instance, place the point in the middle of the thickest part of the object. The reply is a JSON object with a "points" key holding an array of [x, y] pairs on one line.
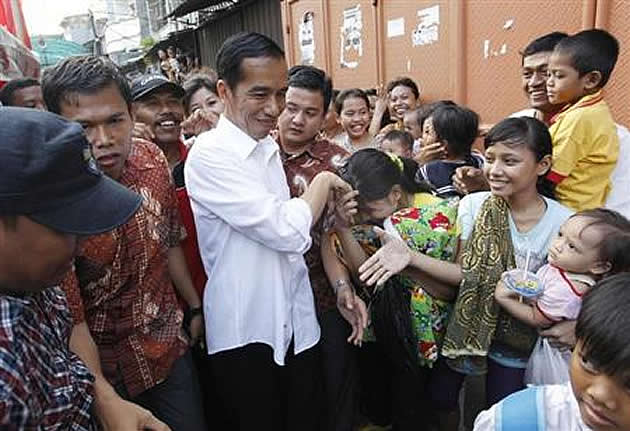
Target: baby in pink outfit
{"points": [[590, 245]]}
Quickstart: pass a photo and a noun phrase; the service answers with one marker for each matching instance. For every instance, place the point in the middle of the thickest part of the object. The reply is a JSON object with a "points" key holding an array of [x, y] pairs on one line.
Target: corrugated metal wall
{"points": [[262, 16]]}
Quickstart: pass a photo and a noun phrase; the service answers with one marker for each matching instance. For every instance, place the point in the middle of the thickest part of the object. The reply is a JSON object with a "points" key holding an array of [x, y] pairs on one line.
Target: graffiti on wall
{"points": [[351, 37], [427, 30], [306, 38]]}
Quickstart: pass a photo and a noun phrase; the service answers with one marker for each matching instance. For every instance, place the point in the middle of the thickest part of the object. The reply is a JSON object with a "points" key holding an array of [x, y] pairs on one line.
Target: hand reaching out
{"points": [[389, 260], [199, 122]]}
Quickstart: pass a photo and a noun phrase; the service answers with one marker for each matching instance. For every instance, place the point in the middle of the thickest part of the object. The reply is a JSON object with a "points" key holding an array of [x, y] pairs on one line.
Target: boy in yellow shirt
{"points": [[585, 143]]}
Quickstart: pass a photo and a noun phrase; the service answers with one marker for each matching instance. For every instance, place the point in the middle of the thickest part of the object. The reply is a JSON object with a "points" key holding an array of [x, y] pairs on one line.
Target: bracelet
{"points": [[340, 283]]}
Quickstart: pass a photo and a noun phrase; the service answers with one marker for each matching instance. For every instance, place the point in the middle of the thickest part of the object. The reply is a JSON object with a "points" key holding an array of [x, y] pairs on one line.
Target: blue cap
{"points": [[48, 174]]}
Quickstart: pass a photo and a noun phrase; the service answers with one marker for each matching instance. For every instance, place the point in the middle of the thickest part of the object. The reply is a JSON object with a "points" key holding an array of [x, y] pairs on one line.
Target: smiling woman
{"points": [[353, 107]]}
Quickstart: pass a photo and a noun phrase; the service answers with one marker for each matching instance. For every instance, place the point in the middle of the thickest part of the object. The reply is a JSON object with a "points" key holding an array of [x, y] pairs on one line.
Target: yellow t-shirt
{"points": [[585, 151]]}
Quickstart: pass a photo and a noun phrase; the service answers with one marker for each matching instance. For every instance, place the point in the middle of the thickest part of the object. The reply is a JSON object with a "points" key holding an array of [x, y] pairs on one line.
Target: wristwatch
{"points": [[339, 284]]}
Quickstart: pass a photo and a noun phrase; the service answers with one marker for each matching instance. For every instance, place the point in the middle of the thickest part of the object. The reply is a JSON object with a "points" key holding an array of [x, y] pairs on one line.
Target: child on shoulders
{"points": [[585, 142], [597, 397], [456, 128]]}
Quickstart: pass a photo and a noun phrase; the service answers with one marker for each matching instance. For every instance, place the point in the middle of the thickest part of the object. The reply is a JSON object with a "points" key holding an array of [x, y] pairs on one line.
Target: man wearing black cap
{"points": [[121, 290], [51, 192], [158, 104]]}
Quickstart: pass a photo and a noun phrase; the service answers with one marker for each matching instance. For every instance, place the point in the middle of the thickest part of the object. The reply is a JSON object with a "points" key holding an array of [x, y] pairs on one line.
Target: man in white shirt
{"points": [[258, 303]]}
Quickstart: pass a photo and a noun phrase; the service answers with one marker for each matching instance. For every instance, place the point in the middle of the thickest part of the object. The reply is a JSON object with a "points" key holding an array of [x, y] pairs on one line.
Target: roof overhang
{"points": [[190, 6]]}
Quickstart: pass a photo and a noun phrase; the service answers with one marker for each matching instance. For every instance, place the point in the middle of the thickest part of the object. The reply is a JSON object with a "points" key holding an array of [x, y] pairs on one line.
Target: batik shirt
{"points": [[121, 285], [300, 169], [43, 385]]}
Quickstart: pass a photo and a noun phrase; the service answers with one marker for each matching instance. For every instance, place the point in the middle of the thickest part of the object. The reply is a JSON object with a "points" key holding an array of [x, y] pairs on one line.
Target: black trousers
{"points": [[177, 400], [340, 371], [260, 395], [391, 394]]}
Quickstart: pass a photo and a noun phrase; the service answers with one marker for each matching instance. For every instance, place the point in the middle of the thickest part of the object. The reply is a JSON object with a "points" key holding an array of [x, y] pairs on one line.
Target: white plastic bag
{"points": [[547, 365]]}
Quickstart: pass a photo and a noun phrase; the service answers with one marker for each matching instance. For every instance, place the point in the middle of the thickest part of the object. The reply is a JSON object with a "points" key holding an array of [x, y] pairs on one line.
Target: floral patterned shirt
{"points": [[300, 169], [121, 285]]}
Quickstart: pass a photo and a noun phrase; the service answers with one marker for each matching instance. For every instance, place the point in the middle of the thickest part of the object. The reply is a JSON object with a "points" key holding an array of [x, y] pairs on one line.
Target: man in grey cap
{"points": [[51, 193]]}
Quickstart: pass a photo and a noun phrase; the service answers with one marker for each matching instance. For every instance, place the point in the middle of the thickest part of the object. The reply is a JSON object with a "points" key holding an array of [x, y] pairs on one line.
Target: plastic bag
{"points": [[547, 365]]}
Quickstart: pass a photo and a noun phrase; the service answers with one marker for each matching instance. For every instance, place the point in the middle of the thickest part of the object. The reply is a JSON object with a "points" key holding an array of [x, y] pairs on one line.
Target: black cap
{"points": [[48, 174], [146, 84]]}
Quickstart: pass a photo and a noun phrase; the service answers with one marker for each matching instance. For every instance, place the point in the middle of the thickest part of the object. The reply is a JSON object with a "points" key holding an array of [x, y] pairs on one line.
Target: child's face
{"points": [[395, 146], [576, 247], [564, 84], [603, 400], [428, 133], [410, 122], [355, 117]]}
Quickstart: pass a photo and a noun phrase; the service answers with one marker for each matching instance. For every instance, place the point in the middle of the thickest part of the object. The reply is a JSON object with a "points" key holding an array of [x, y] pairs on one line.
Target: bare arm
{"points": [[319, 192], [350, 306], [435, 288], [394, 256], [178, 270], [379, 111], [113, 412], [526, 312], [352, 250]]}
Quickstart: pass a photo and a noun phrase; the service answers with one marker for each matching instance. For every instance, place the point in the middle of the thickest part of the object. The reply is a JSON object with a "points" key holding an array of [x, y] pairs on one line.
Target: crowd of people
{"points": [[258, 250]]}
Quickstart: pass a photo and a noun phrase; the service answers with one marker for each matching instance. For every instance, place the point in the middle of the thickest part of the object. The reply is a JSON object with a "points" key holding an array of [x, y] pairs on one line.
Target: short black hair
{"points": [[193, 84], [401, 136], [371, 92], [82, 75], [545, 43], [426, 110], [405, 82], [237, 48], [457, 127], [615, 245], [591, 50], [348, 94], [6, 94], [373, 173], [314, 79], [603, 325]]}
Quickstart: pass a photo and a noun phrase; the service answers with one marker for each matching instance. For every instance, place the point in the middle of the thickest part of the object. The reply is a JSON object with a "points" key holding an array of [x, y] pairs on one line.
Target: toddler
{"points": [[398, 142], [589, 246], [456, 128]]}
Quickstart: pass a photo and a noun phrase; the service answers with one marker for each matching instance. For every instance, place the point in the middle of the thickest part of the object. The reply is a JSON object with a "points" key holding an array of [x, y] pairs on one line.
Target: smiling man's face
{"points": [[163, 111]]}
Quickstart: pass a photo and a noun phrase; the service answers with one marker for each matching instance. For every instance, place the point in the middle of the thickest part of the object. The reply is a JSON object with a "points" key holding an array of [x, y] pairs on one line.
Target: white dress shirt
{"points": [[619, 198], [251, 238]]}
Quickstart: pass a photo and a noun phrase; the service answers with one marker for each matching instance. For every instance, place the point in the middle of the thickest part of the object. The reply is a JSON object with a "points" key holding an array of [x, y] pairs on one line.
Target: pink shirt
{"points": [[560, 299]]}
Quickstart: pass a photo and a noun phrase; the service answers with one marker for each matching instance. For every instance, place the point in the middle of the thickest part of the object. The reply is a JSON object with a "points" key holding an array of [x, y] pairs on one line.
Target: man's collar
{"points": [[240, 142], [306, 149]]}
